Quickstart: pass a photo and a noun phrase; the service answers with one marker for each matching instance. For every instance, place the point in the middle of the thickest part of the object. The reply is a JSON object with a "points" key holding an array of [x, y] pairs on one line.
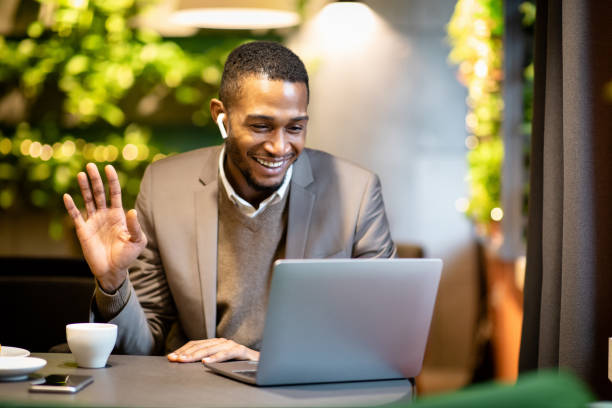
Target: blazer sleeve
{"points": [[145, 320], [372, 234]]}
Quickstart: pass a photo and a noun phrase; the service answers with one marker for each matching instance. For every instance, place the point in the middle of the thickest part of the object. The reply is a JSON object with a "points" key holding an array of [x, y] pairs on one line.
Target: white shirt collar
{"points": [[243, 205]]}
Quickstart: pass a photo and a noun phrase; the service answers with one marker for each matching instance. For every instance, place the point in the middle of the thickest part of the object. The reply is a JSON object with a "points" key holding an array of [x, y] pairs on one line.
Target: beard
{"points": [[241, 163]]}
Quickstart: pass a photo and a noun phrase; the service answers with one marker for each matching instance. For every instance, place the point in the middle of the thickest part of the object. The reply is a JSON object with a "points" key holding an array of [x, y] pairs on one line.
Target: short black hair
{"points": [[260, 58]]}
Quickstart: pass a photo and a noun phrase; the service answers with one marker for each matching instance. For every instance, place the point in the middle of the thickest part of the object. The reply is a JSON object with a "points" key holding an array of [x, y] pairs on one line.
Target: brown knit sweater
{"points": [[247, 249]]}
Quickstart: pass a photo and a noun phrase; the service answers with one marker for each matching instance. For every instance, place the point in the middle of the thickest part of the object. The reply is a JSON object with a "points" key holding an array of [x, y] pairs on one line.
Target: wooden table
{"points": [[154, 382]]}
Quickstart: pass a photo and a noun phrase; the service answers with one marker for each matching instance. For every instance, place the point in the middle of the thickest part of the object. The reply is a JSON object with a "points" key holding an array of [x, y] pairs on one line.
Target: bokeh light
{"points": [[68, 148], [5, 146], [98, 154], [481, 69], [25, 147], [35, 149], [143, 152], [47, 152], [471, 142], [111, 153], [130, 152], [497, 214]]}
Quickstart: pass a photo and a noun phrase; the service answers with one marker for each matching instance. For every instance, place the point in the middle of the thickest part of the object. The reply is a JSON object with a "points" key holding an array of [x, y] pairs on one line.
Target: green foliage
{"points": [[475, 32], [528, 9], [85, 85], [484, 180]]}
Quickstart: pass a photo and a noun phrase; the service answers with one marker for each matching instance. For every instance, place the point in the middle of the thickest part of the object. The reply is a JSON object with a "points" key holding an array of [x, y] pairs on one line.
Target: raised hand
{"points": [[111, 239]]}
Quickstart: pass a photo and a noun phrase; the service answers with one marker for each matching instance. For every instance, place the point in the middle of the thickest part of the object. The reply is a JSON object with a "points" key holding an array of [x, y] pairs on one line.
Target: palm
{"points": [[111, 239], [106, 242]]}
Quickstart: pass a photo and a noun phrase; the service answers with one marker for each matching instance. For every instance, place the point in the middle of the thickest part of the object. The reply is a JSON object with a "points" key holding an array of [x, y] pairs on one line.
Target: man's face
{"points": [[267, 131]]}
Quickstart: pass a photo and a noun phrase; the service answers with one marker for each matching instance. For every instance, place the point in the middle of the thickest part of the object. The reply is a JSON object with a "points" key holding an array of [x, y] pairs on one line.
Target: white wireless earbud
{"points": [[221, 126]]}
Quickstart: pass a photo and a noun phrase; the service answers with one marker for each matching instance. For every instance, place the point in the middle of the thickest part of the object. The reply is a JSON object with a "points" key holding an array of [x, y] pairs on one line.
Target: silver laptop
{"points": [[333, 320]]}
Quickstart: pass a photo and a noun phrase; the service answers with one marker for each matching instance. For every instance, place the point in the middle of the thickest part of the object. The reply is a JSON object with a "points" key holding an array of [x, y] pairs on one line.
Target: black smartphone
{"points": [[61, 383]]}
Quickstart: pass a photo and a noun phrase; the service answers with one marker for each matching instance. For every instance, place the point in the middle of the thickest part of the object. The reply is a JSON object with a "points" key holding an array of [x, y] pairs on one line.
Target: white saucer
{"points": [[18, 368], [7, 351]]}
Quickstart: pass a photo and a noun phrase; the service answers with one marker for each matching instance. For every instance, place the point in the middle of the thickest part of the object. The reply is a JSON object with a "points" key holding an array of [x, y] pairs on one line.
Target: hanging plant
{"points": [[475, 32]]}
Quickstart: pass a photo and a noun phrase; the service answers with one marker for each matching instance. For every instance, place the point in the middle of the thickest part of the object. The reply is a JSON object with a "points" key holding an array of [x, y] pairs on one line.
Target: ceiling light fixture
{"points": [[236, 14], [346, 25]]}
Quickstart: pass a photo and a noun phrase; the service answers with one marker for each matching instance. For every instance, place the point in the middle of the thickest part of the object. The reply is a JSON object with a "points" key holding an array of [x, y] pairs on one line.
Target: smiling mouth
{"points": [[271, 164]]}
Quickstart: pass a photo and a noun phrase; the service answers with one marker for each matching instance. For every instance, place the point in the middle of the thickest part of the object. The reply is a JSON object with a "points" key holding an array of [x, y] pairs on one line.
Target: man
{"points": [[209, 223]]}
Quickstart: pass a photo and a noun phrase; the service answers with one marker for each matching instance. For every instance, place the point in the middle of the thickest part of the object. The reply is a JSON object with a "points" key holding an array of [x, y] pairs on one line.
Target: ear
{"points": [[216, 108], [217, 112]]}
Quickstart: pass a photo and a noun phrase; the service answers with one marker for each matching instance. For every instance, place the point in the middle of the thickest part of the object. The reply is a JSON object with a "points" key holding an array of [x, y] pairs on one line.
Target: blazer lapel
{"points": [[301, 202], [207, 216]]}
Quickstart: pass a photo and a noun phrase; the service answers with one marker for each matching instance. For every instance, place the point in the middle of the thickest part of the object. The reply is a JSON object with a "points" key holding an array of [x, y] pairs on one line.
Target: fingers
{"points": [[198, 346], [73, 211], [235, 352], [114, 187], [133, 227], [86, 193], [190, 351], [96, 185], [176, 354], [96, 200], [212, 351]]}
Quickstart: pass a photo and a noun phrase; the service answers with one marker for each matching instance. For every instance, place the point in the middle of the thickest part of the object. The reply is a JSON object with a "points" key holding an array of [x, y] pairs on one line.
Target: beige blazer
{"points": [[335, 210]]}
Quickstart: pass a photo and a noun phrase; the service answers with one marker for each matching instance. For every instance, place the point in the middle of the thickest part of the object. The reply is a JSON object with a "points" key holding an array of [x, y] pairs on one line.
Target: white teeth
{"points": [[269, 164]]}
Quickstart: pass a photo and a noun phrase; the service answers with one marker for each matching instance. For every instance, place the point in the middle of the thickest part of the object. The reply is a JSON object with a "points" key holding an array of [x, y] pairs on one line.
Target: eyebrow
{"points": [[271, 118]]}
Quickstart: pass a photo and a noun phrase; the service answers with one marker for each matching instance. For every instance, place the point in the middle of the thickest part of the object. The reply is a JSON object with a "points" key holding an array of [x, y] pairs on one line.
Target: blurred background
{"points": [[414, 90]]}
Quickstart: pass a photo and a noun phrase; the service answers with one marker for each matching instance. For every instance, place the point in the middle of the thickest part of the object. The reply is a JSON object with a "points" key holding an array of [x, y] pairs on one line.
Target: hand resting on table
{"points": [[212, 351]]}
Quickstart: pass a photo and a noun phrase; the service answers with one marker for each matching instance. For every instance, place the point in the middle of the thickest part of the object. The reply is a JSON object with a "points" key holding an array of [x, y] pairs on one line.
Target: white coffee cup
{"points": [[91, 343]]}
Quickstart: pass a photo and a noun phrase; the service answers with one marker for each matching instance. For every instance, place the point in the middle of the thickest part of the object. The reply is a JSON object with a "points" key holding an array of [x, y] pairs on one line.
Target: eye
{"points": [[260, 127], [295, 129]]}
